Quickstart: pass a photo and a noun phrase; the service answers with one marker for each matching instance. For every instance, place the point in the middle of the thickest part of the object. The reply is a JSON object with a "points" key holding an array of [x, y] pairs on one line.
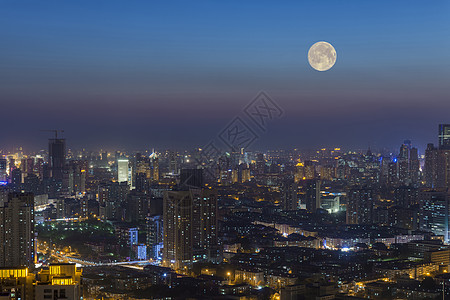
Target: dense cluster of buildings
{"points": [[323, 224]]}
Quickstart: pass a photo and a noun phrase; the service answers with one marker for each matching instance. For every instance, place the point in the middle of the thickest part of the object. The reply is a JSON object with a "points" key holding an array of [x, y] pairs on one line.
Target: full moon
{"points": [[322, 56]]}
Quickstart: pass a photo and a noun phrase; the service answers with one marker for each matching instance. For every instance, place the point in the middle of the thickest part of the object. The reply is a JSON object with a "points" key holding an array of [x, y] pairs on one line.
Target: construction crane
{"points": [[53, 130]]}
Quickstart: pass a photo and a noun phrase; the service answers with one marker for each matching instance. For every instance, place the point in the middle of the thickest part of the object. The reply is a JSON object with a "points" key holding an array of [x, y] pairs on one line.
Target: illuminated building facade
{"points": [[123, 170], [59, 281], [16, 283]]}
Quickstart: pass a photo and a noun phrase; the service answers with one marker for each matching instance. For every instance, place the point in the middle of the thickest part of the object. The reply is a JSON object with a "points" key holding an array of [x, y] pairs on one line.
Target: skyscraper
{"points": [[111, 196], [205, 222], [17, 242], [57, 157], [444, 136], [190, 226], [434, 212], [177, 222], [122, 170], [289, 199], [414, 165], [154, 160], [312, 194], [437, 167], [431, 166], [260, 164], [173, 165], [360, 206]]}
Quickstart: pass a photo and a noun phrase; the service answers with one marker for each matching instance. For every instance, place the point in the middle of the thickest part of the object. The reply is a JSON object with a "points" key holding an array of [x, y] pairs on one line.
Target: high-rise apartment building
{"points": [[205, 222], [17, 242], [360, 206], [178, 212], [312, 194], [190, 226], [434, 212], [289, 195]]}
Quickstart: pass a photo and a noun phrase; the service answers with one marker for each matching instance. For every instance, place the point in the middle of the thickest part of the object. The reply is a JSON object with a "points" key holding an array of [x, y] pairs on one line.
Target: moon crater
{"points": [[322, 56]]}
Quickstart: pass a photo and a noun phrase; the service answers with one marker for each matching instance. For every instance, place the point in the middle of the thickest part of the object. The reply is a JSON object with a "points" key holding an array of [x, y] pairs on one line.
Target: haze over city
{"points": [[160, 74]]}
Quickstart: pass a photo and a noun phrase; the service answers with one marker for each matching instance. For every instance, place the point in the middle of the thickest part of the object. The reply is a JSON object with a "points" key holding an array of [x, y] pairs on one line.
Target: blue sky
{"points": [[173, 73]]}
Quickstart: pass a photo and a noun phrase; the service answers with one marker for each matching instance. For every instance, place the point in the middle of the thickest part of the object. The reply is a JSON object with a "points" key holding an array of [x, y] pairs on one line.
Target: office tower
{"points": [[178, 235], [312, 194], [404, 150], [434, 212], [57, 157], [3, 174], [17, 234], [122, 170], [191, 178], [360, 205], [154, 164], [444, 136], [260, 167], [289, 198], [142, 165]]}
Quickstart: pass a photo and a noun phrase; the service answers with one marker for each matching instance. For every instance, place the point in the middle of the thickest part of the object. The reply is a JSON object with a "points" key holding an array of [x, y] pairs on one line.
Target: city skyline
{"points": [[251, 150]]}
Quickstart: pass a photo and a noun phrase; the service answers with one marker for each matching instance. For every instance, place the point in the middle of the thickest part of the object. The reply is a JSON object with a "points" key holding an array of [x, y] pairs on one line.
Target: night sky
{"points": [[136, 74]]}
